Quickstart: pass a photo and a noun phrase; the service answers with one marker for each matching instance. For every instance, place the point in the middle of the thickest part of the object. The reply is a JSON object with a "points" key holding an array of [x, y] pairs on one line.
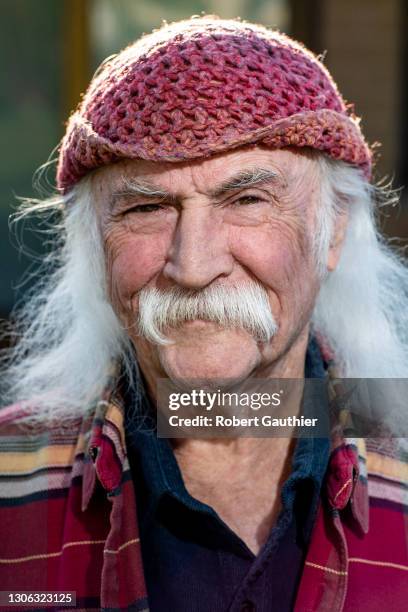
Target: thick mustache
{"points": [[246, 306]]}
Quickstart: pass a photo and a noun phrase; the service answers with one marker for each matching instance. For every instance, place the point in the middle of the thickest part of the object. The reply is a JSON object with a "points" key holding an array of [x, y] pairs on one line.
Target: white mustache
{"points": [[241, 306]]}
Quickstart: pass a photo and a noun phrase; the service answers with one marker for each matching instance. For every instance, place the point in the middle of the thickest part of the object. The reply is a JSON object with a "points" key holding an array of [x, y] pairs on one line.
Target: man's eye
{"points": [[145, 208], [244, 200]]}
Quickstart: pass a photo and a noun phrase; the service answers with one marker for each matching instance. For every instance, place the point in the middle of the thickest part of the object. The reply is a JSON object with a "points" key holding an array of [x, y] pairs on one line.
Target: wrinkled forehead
{"points": [[287, 169]]}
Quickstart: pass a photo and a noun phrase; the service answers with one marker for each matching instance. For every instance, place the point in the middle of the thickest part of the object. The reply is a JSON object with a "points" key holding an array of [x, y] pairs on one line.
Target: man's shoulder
{"points": [[385, 467], [22, 421], [388, 456], [38, 456]]}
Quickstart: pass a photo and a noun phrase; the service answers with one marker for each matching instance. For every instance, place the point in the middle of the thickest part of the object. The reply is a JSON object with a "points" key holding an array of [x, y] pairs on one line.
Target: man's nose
{"points": [[199, 253]]}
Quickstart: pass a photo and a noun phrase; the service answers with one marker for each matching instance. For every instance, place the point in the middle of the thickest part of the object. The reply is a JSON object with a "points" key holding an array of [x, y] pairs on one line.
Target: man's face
{"points": [[243, 216]]}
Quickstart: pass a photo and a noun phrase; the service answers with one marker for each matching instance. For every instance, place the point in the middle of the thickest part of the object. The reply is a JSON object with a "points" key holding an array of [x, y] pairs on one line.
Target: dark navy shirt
{"points": [[193, 561]]}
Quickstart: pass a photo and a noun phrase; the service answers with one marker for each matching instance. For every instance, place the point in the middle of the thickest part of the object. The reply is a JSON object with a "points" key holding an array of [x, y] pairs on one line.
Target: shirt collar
{"points": [[106, 455]]}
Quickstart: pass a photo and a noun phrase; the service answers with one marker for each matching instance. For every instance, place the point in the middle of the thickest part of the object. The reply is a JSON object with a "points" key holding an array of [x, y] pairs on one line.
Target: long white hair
{"points": [[69, 337], [362, 307]]}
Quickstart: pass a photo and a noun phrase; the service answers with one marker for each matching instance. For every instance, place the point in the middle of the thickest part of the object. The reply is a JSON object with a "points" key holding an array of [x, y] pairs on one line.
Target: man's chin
{"points": [[205, 379], [208, 356]]}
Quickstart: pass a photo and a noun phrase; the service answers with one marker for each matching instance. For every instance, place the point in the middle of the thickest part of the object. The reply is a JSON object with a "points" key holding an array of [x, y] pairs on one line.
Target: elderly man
{"points": [[217, 223]]}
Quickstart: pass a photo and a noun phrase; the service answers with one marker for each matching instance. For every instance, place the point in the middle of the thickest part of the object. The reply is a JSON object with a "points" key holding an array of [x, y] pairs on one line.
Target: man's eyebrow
{"points": [[245, 178], [142, 188]]}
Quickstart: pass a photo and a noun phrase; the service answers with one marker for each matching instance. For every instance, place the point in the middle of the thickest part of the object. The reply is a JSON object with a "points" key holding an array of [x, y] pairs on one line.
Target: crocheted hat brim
{"points": [[326, 130]]}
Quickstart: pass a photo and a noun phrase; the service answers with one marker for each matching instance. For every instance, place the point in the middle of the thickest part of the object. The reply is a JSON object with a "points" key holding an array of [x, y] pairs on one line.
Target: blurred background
{"points": [[50, 49]]}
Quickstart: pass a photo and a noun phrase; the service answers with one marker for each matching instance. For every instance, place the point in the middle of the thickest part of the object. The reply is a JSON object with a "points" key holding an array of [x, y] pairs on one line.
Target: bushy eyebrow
{"points": [[132, 186], [243, 179], [246, 178]]}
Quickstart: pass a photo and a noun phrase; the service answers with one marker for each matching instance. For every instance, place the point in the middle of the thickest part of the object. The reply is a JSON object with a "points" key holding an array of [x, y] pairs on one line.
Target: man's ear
{"points": [[336, 244]]}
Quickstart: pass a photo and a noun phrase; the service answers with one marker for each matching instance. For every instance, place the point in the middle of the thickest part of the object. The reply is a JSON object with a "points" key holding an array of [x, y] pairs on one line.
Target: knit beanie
{"points": [[205, 85]]}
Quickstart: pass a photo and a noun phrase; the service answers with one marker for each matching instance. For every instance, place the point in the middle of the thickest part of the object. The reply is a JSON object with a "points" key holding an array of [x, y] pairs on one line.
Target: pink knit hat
{"points": [[206, 85]]}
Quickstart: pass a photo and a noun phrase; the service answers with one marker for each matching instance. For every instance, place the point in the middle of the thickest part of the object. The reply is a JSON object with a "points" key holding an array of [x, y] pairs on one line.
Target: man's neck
{"points": [[240, 478]]}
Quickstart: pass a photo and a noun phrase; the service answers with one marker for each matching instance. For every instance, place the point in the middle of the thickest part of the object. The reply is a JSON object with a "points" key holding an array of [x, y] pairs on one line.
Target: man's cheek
{"points": [[132, 269], [272, 259]]}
